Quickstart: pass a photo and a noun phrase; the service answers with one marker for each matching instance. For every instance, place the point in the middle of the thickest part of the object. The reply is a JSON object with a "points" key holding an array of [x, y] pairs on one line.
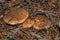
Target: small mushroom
{"points": [[41, 22], [16, 16], [28, 23]]}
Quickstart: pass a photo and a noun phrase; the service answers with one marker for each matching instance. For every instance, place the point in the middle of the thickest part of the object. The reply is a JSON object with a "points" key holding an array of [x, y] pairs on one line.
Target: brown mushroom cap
{"points": [[28, 23], [16, 16], [41, 22]]}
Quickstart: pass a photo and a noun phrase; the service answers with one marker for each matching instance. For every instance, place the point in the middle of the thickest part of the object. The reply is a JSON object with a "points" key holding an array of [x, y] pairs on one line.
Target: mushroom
{"points": [[16, 15], [41, 22], [28, 23]]}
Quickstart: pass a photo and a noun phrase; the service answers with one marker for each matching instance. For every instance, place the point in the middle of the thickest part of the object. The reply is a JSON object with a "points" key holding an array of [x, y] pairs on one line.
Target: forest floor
{"points": [[50, 9]]}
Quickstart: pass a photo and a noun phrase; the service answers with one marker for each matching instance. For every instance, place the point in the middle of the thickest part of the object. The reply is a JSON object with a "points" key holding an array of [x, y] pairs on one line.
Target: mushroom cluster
{"points": [[20, 15]]}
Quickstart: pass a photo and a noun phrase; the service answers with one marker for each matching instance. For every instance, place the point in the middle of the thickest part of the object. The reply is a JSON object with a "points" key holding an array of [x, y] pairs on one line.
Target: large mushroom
{"points": [[16, 16]]}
